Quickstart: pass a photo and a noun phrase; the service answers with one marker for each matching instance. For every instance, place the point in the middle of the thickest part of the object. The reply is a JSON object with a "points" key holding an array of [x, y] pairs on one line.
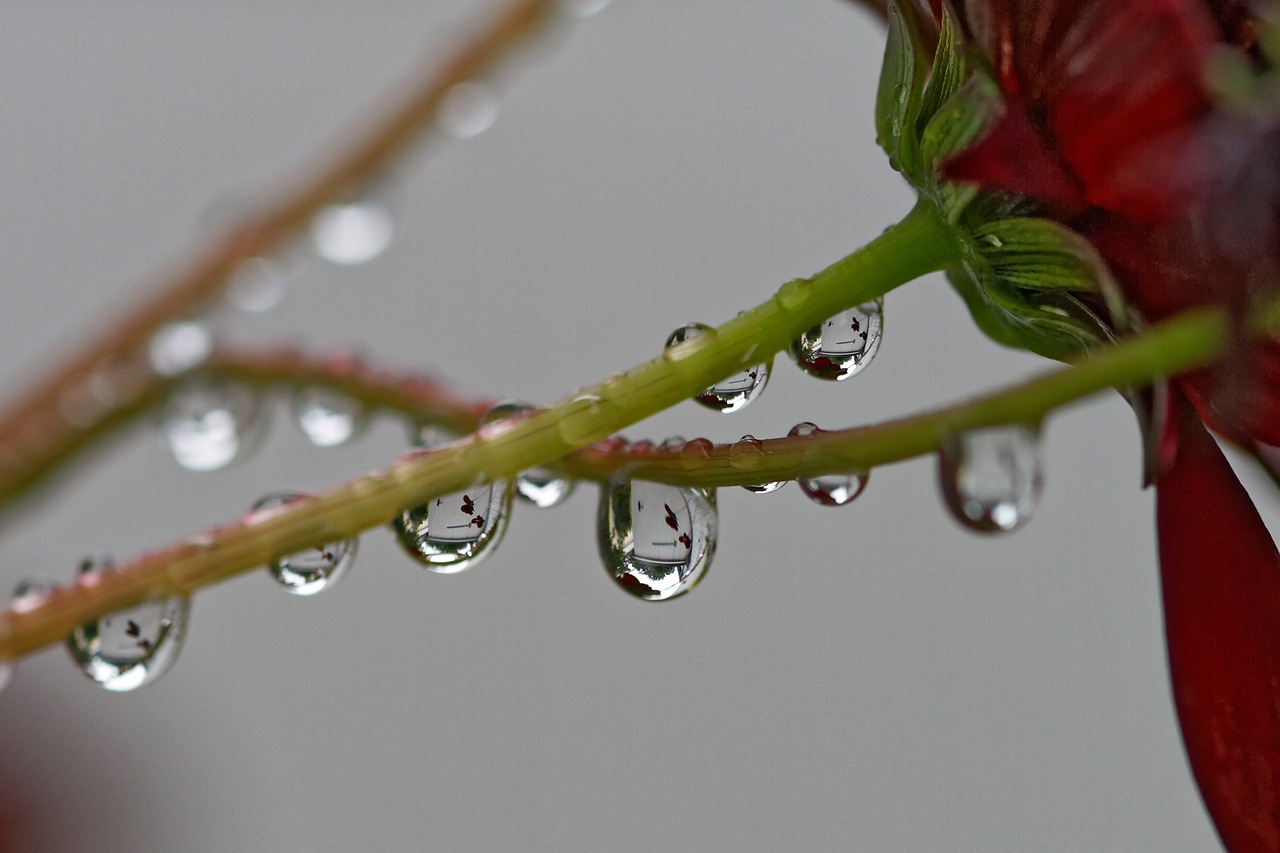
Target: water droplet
{"points": [[843, 345], [991, 478], [315, 569], [129, 648], [469, 109], [352, 233], [257, 285], [208, 425], [748, 453], [656, 540], [541, 487], [178, 347], [455, 532], [580, 423], [582, 8], [732, 393], [327, 418], [25, 595], [794, 294], [695, 453], [829, 489]]}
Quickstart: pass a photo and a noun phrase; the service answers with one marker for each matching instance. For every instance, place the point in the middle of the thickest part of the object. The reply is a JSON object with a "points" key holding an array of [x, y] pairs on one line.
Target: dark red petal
{"points": [[1220, 574], [1014, 157]]}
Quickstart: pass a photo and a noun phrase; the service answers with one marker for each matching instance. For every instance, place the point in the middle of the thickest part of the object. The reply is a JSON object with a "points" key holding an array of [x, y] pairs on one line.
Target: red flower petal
{"points": [[1220, 574]]}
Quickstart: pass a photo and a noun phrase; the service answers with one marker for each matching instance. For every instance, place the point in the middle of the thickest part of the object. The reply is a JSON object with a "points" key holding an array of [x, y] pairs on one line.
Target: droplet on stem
{"points": [[27, 592], [469, 109], [354, 232], [732, 393], [129, 648], [843, 345], [178, 347], [656, 540], [209, 424], [451, 533], [991, 478], [327, 418], [315, 569], [746, 453], [829, 489], [541, 487]]}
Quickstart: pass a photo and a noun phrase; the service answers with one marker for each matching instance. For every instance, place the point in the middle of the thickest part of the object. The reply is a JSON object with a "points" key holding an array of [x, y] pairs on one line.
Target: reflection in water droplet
{"points": [[582, 8], [209, 424], [178, 347], [469, 109], [454, 532], [733, 392], [541, 487], [843, 345], [352, 233], [656, 541], [747, 453], [129, 648], [327, 418], [315, 569], [991, 478], [829, 489], [257, 285]]}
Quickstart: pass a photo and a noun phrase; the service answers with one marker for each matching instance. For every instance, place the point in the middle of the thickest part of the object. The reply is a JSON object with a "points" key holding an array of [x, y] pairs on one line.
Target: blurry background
{"points": [[869, 677]]}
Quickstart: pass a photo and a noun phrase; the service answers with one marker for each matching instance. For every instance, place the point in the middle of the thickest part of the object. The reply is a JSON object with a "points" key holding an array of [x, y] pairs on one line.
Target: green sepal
{"points": [[898, 98]]}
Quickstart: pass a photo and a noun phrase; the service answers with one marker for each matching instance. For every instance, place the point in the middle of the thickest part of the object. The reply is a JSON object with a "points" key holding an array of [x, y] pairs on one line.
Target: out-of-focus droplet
{"points": [[469, 109], [208, 425], [991, 478], [178, 347], [257, 285], [829, 489], [129, 648], [353, 233], [582, 8], [656, 540], [327, 418], [732, 393], [748, 453], [315, 569], [843, 345], [542, 487], [25, 594]]}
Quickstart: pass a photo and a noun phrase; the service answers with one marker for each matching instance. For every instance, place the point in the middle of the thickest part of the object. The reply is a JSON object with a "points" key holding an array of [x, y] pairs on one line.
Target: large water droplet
{"points": [[843, 345], [353, 233], [209, 424], [541, 487], [178, 347], [991, 478], [469, 109], [656, 540], [733, 392], [315, 569], [829, 489], [748, 453], [327, 418], [127, 649]]}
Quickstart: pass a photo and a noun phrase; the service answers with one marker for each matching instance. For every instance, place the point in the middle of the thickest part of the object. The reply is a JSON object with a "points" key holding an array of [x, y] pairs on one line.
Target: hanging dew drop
{"points": [[314, 569], [352, 233], [748, 453], [656, 540], [991, 478], [127, 649], [843, 345], [326, 418], [469, 109], [829, 489], [732, 393], [208, 425]]}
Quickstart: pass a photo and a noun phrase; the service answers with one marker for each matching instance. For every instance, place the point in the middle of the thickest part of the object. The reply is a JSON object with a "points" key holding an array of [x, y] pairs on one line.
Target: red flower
{"points": [[1110, 126]]}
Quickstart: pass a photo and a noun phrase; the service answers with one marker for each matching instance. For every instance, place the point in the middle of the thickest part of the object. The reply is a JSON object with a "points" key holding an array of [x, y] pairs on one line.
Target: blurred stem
{"points": [[920, 244], [36, 434]]}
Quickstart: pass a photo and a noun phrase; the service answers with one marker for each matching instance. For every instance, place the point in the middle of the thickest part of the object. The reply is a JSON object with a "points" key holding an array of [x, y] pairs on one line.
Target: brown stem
{"points": [[68, 410]]}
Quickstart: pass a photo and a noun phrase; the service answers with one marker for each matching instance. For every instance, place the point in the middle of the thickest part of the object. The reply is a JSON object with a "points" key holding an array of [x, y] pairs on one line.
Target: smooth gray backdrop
{"points": [[864, 678]]}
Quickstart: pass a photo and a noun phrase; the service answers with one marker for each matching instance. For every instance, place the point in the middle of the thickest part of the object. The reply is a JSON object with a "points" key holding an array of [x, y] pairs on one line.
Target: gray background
{"points": [[871, 677]]}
